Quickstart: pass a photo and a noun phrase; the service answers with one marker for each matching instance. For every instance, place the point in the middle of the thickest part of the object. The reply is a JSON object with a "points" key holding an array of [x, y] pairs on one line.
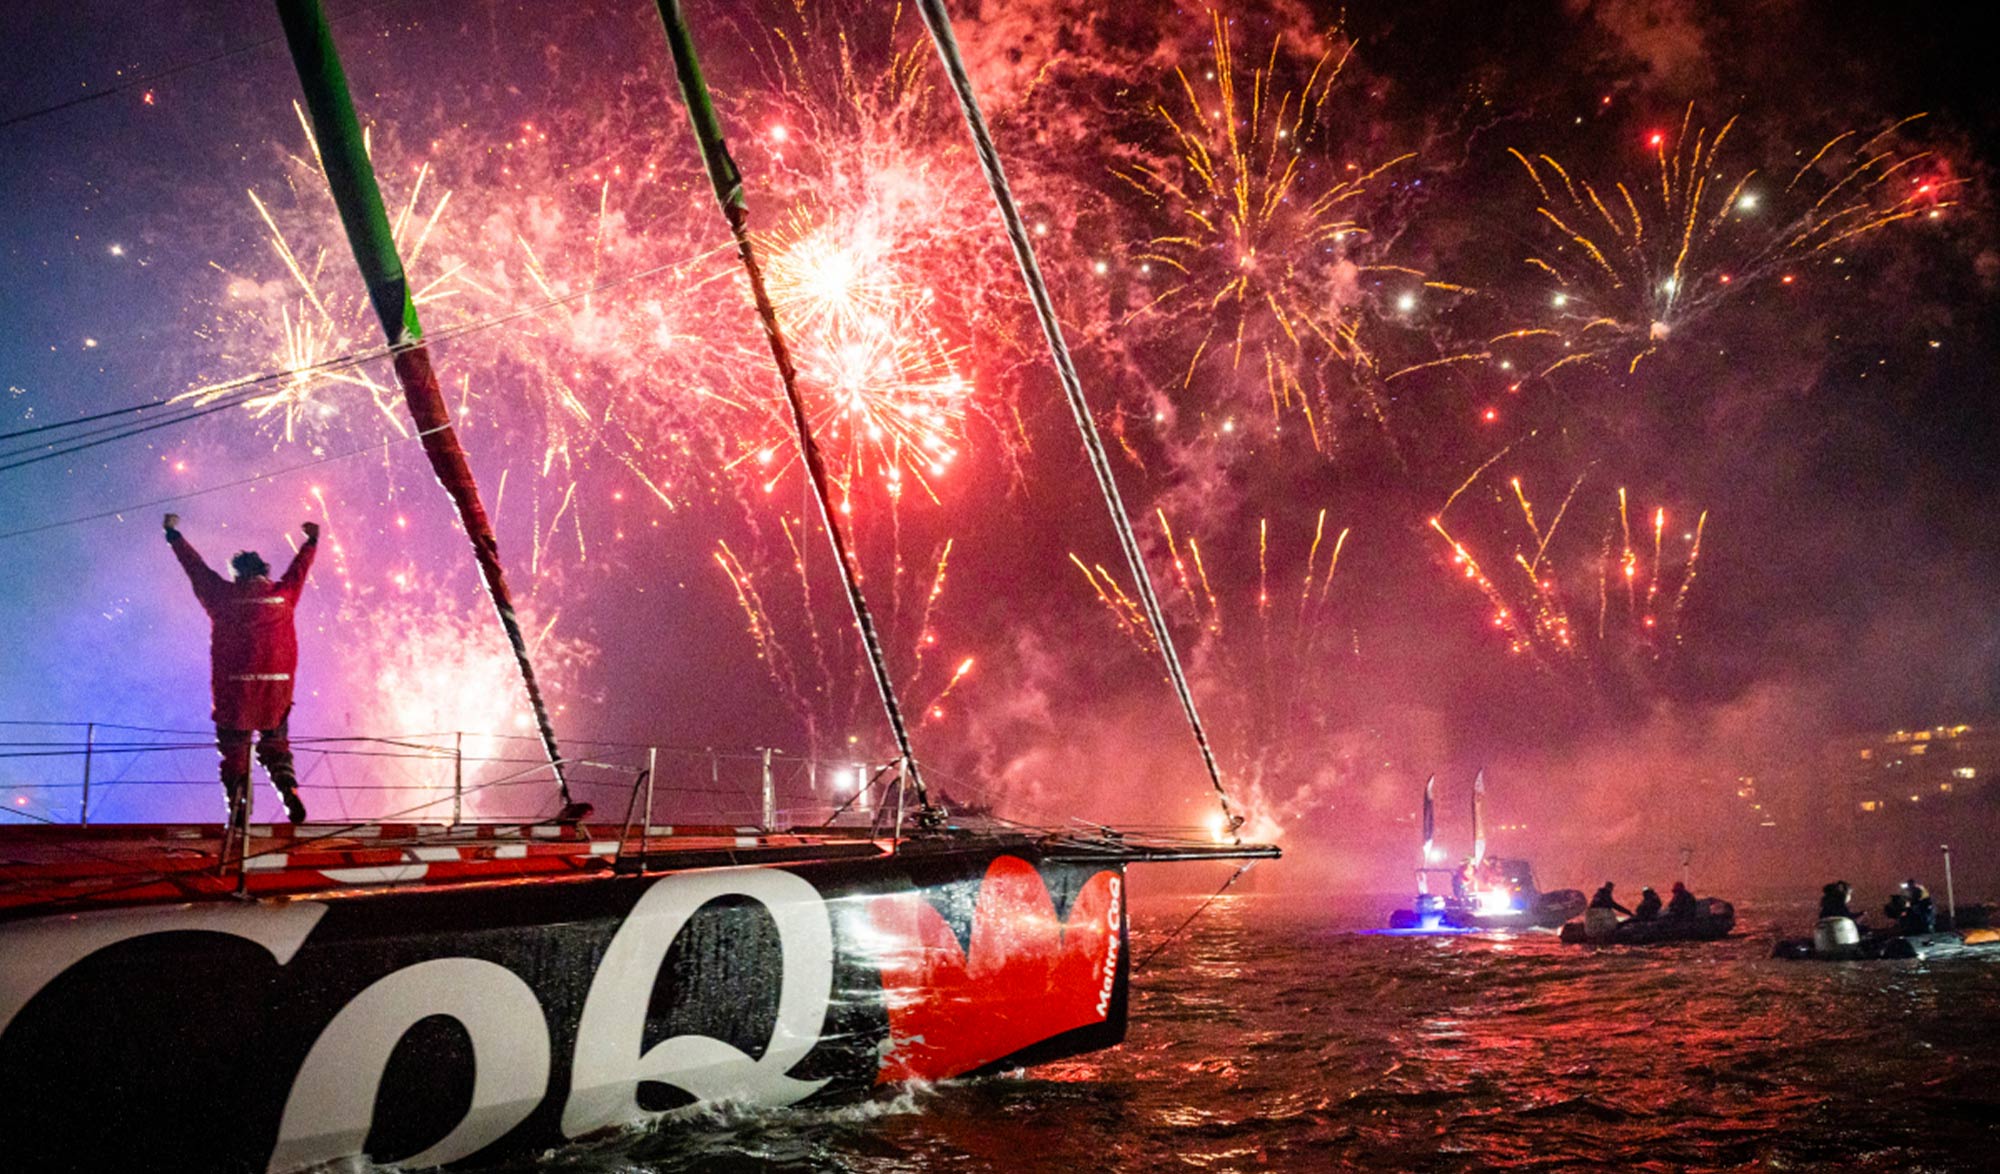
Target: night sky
{"points": [[1831, 410]]}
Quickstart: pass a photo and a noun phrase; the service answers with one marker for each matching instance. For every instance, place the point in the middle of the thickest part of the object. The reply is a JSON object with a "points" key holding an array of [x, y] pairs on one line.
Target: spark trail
{"points": [[1531, 576]]}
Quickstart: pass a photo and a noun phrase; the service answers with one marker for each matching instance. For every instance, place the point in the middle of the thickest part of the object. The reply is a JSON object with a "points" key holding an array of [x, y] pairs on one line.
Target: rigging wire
{"points": [[1169, 939], [104, 415], [938, 21], [203, 492], [116, 434], [14, 120], [728, 184], [233, 397], [234, 391]]}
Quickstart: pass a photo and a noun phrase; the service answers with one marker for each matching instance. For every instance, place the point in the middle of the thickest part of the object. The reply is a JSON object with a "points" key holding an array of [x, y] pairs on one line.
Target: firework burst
{"points": [[1260, 660], [819, 678], [1614, 596], [1265, 227], [309, 330], [1633, 264], [887, 303], [884, 390]]}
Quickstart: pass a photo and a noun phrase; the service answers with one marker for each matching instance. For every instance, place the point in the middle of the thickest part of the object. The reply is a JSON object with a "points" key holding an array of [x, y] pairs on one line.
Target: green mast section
{"points": [[722, 173], [344, 156], [351, 177]]}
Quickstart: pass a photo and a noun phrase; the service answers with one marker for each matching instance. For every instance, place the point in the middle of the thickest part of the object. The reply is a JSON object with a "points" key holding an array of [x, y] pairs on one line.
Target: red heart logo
{"points": [[1026, 978]]}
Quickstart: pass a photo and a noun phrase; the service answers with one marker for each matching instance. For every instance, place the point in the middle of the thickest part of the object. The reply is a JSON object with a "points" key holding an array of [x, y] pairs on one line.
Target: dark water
{"points": [[1272, 1037]]}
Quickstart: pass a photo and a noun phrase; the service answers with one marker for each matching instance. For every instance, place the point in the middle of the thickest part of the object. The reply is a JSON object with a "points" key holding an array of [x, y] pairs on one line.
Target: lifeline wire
{"points": [[939, 23]]}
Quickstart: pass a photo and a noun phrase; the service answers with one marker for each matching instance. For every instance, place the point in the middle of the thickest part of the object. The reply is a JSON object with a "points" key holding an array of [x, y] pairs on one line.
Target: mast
{"points": [[1479, 817], [351, 178], [1430, 834], [728, 184]]}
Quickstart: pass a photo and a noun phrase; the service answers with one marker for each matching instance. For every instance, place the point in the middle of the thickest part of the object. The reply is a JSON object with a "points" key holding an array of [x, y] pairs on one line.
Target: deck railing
{"points": [[108, 772]]}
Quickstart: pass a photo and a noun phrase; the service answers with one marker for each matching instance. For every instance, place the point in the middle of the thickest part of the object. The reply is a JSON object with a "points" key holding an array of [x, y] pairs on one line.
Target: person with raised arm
{"points": [[253, 656]]}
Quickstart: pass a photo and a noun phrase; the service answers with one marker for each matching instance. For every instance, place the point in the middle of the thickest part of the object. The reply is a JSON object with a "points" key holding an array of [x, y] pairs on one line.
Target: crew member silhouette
{"points": [[253, 654]]}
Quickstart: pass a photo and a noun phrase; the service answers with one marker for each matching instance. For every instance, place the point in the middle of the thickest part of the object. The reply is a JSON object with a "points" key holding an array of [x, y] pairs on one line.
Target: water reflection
{"points": [[1272, 1037]]}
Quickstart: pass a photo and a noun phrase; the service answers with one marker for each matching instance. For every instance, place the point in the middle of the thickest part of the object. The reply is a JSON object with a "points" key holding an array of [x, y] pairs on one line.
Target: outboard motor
{"points": [[1837, 937]]}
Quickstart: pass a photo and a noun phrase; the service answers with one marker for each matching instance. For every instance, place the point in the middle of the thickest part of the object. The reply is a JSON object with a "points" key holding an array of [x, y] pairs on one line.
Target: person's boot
{"points": [[234, 796], [295, 807]]}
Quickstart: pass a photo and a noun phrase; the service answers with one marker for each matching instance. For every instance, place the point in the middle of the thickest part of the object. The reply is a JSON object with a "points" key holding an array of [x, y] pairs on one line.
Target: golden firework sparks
{"points": [[1635, 262], [1262, 247], [1534, 610]]}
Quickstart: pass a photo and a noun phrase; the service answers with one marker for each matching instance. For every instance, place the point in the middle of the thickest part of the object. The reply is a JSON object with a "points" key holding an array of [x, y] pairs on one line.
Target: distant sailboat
{"points": [[1486, 893]]}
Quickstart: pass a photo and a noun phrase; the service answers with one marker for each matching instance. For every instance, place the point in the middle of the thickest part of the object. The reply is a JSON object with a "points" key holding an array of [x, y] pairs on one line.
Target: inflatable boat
{"points": [[1713, 918], [1839, 939]]}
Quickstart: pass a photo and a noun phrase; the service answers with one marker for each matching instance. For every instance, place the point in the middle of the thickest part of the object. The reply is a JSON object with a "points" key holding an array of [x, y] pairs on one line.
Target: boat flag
{"points": [[350, 177], [1430, 815]]}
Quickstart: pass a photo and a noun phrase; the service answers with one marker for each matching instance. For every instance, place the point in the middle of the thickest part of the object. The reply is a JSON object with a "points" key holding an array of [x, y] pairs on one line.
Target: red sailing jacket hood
{"points": [[253, 650]]}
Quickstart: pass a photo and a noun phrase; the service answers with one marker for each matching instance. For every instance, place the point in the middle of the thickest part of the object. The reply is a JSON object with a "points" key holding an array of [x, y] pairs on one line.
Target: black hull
{"points": [[471, 1023]]}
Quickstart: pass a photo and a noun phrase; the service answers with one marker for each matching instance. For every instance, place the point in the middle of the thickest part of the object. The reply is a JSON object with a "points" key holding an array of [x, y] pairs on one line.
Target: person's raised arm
{"points": [[295, 575], [205, 581]]}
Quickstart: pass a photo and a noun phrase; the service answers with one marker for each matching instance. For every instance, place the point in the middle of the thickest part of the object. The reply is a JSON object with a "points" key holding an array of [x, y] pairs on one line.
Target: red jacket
{"points": [[253, 650]]}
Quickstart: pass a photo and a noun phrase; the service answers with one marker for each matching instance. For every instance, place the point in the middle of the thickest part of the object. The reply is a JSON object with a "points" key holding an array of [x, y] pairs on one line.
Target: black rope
{"points": [[116, 434], [39, 428], [14, 120], [939, 23], [1169, 940]]}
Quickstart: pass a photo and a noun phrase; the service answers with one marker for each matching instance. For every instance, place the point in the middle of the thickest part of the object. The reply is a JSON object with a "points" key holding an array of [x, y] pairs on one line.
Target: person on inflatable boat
{"points": [[1681, 903]]}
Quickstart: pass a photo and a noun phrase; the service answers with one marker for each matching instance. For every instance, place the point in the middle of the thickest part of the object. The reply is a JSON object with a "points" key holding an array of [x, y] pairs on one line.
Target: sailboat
{"points": [[276, 998], [1485, 892]]}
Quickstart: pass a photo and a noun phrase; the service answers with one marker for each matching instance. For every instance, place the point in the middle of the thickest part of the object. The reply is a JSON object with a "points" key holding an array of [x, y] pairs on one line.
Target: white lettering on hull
{"points": [[332, 1103], [33, 954], [1113, 919], [329, 1106], [609, 1062]]}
